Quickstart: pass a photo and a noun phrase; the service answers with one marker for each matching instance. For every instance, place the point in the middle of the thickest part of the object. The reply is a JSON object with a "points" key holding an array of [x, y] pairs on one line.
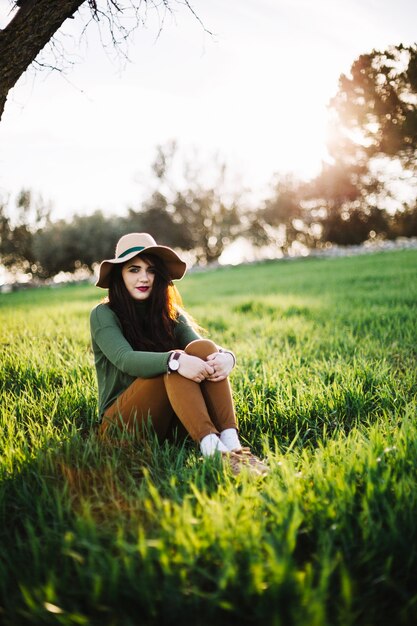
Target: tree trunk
{"points": [[32, 27]]}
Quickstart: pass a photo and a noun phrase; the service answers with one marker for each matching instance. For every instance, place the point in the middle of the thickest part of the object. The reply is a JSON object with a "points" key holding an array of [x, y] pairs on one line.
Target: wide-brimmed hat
{"points": [[133, 244]]}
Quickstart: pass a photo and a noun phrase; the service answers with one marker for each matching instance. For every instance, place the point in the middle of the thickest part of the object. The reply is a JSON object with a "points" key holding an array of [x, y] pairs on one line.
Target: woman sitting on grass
{"points": [[150, 361]]}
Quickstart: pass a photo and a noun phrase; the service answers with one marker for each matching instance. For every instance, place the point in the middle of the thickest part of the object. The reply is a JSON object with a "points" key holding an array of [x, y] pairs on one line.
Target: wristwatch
{"points": [[173, 363]]}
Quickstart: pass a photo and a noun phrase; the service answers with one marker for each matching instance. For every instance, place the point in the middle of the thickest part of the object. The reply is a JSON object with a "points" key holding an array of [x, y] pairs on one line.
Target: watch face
{"points": [[174, 365]]}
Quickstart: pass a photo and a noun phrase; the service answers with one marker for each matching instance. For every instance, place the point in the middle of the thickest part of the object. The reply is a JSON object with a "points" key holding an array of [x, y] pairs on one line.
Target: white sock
{"points": [[211, 444], [230, 439]]}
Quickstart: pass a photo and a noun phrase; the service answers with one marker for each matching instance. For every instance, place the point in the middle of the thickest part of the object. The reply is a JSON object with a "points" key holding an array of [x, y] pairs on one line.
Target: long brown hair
{"points": [[153, 331]]}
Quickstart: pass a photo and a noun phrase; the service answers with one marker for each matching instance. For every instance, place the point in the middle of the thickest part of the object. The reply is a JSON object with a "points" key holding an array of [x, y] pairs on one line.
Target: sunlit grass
{"points": [[129, 532]]}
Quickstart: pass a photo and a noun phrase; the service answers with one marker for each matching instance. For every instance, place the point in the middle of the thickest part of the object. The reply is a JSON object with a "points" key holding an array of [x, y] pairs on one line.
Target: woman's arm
{"points": [[107, 334]]}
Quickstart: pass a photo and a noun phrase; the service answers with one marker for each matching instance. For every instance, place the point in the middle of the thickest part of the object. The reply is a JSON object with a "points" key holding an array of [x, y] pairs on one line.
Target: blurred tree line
{"points": [[198, 217], [372, 146]]}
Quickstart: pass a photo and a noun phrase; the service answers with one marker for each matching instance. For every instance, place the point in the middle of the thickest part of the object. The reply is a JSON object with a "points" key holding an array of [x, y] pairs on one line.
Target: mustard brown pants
{"points": [[171, 399]]}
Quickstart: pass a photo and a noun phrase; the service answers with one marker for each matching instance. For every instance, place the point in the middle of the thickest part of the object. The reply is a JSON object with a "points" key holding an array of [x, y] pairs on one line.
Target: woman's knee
{"points": [[201, 348]]}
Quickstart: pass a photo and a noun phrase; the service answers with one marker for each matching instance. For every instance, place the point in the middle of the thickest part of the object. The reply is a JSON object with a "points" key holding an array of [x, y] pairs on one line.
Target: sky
{"points": [[254, 91]]}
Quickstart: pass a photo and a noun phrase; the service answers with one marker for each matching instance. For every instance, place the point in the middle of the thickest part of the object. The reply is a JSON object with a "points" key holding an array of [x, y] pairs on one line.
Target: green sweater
{"points": [[117, 364]]}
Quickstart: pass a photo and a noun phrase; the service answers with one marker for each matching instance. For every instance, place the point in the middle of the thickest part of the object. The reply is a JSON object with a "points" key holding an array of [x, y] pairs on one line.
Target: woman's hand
{"points": [[222, 364], [194, 368]]}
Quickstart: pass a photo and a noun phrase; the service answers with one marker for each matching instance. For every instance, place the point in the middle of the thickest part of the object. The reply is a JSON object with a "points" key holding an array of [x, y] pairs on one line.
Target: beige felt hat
{"points": [[133, 244]]}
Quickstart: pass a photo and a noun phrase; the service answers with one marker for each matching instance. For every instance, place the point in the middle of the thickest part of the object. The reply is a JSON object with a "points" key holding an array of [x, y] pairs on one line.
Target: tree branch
{"points": [[20, 42], [37, 21]]}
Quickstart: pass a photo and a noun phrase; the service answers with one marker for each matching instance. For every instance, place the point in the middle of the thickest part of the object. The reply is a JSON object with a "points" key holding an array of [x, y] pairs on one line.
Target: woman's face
{"points": [[138, 276]]}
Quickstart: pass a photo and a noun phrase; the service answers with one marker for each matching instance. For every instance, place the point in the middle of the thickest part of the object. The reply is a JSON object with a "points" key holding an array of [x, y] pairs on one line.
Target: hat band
{"points": [[129, 250]]}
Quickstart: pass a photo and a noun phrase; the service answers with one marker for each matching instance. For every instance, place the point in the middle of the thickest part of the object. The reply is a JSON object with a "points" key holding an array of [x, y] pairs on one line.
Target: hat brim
{"points": [[175, 266]]}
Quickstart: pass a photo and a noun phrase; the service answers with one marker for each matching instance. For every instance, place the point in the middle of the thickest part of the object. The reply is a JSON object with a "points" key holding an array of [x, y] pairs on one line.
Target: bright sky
{"points": [[255, 93]]}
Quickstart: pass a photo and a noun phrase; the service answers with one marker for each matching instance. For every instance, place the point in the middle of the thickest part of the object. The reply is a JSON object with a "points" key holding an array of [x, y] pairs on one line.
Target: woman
{"points": [[150, 361]]}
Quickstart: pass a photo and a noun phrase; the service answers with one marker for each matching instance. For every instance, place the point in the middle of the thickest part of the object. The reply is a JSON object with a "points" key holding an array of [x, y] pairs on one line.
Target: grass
{"points": [[137, 533]]}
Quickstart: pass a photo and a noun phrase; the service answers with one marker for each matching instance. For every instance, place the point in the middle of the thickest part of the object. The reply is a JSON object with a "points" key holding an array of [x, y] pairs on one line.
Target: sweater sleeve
{"points": [[107, 334]]}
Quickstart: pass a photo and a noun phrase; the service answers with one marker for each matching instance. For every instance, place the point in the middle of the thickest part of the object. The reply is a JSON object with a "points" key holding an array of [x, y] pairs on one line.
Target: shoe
{"points": [[248, 459], [233, 461], [243, 459]]}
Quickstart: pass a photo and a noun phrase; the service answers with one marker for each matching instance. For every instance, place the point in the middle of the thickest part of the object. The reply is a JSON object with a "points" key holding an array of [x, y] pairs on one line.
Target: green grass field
{"points": [[136, 533]]}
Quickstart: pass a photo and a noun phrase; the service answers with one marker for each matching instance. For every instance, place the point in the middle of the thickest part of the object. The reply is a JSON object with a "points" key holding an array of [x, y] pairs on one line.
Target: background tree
{"points": [[188, 212], [65, 246], [404, 223], [156, 216], [343, 201], [35, 23], [375, 108], [210, 222], [373, 123], [284, 220], [286, 212], [17, 231], [180, 211]]}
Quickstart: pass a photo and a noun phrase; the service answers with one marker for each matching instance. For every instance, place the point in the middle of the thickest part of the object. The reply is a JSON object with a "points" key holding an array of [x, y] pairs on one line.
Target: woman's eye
{"points": [[151, 270]]}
